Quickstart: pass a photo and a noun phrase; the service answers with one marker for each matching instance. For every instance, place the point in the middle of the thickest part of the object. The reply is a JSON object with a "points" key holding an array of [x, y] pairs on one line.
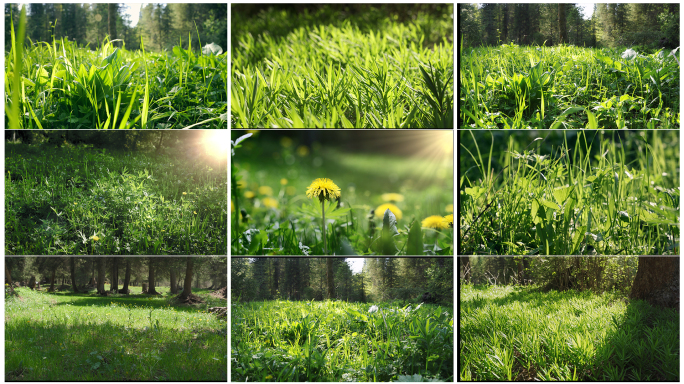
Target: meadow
{"points": [[567, 87], [272, 215], [86, 337], [330, 70], [340, 341], [97, 201], [62, 85], [518, 333], [570, 193]]}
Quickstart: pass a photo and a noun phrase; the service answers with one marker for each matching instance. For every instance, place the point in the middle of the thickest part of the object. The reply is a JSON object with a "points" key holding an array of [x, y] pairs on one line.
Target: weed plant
{"points": [[86, 337], [95, 201], [63, 85], [520, 334], [512, 86], [607, 193], [341, 75], [339, 341], [271, 214]]}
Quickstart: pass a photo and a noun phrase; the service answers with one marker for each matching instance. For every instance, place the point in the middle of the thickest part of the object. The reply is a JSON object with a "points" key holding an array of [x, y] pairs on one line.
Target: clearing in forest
{"points": [[87, 337]]}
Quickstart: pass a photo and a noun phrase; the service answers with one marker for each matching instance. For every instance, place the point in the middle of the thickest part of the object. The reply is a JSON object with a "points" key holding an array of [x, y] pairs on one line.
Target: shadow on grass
{"points": [[92, 352]]}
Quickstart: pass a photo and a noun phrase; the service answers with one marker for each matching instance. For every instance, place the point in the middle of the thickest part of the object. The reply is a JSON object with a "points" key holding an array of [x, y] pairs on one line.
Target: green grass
{"points": [[284, 221], [340, 75], [512, 86], [86, 337], [521, 334], [62, 85], [609, 193], [338, 341], [95, 201]]}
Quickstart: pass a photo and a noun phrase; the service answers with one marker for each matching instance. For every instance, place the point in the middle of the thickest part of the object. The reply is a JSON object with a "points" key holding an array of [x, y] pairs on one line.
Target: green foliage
{"points": [[82, 337], [93, 201], [510, 86], [594, 194], [522, 334], [62, 85], [338, 341], [341, 75]]}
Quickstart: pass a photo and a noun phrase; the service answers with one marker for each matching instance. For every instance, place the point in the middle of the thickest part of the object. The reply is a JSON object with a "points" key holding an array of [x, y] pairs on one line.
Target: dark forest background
{"points": [[611, 25], [382, 279], [161, 25]]}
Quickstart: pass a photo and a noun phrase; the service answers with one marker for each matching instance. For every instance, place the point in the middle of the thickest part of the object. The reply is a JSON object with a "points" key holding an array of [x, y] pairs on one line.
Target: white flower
{"points": [[373, 309], [212, 49], [629, 54]]}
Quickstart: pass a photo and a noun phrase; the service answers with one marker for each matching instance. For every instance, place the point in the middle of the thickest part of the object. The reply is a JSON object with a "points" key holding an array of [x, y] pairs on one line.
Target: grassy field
{"points": [[95, 201], [350, 73], [61, 85], [338, 341], [271, 175], [510, 333], [512, 86], [86, 337], [609, 193]]}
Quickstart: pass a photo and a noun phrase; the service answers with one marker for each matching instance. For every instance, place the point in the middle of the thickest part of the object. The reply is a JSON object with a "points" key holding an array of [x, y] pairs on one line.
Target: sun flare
{"points": [[216, 143]]}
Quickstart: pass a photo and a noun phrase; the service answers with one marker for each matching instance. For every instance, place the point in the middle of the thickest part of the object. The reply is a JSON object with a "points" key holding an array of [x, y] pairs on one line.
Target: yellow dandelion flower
{"points": [[450, 208], [249, 194], [324, 189], [449, 220], [436, 222], [269, 202], [396, 197], [185, 193], [195, 212], [75, 203], [283, 181], [380, 211], [95, 238], [266, 190]]}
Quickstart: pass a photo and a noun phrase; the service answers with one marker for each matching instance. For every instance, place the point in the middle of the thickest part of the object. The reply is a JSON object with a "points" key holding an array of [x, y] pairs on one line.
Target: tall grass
{"points": [[597, 193], [521, 334], [339, 341], [339, 76], [511, 86], [63, 85]]}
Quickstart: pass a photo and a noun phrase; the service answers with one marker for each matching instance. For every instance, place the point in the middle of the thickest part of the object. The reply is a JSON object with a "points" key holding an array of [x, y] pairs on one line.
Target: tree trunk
{"points": [[32, 282], [657, 281], [275, 277], [8, 279], [331, 281], [465, 266], [72, 265], [187, 286], [562, 24], [127, 278], [174, 287], [111, 20], [52, 281], [100, 275], [114, 287], [151, 289]]}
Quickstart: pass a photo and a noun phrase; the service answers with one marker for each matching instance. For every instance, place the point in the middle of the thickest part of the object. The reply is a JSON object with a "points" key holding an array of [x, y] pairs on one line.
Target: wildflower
{"points": [[396, 197], [75, 203], [249, 194], [380, 211], [269, 377], [373, 309], [95, 238], [195, 212], [450, 208], [266, 190], [449, 220], [324, 189], [283, 181], [185, 193], [436, 222], [270, 202]]}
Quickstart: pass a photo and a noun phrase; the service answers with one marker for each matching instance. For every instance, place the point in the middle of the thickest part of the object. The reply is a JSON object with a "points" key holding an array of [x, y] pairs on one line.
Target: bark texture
{"points": [[100, 275], [657, 281], [72, 267], [187, 286]]}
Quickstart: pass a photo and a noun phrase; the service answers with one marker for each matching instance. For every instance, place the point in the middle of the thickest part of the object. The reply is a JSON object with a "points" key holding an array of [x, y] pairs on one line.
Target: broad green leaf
{"points": [[562, 193], [414, 246]]}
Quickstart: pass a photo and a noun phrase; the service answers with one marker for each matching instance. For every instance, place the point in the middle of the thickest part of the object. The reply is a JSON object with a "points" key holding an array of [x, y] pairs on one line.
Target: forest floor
{"points": [[511, 333], [340, 341], [527, 87], [86, 337]]}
